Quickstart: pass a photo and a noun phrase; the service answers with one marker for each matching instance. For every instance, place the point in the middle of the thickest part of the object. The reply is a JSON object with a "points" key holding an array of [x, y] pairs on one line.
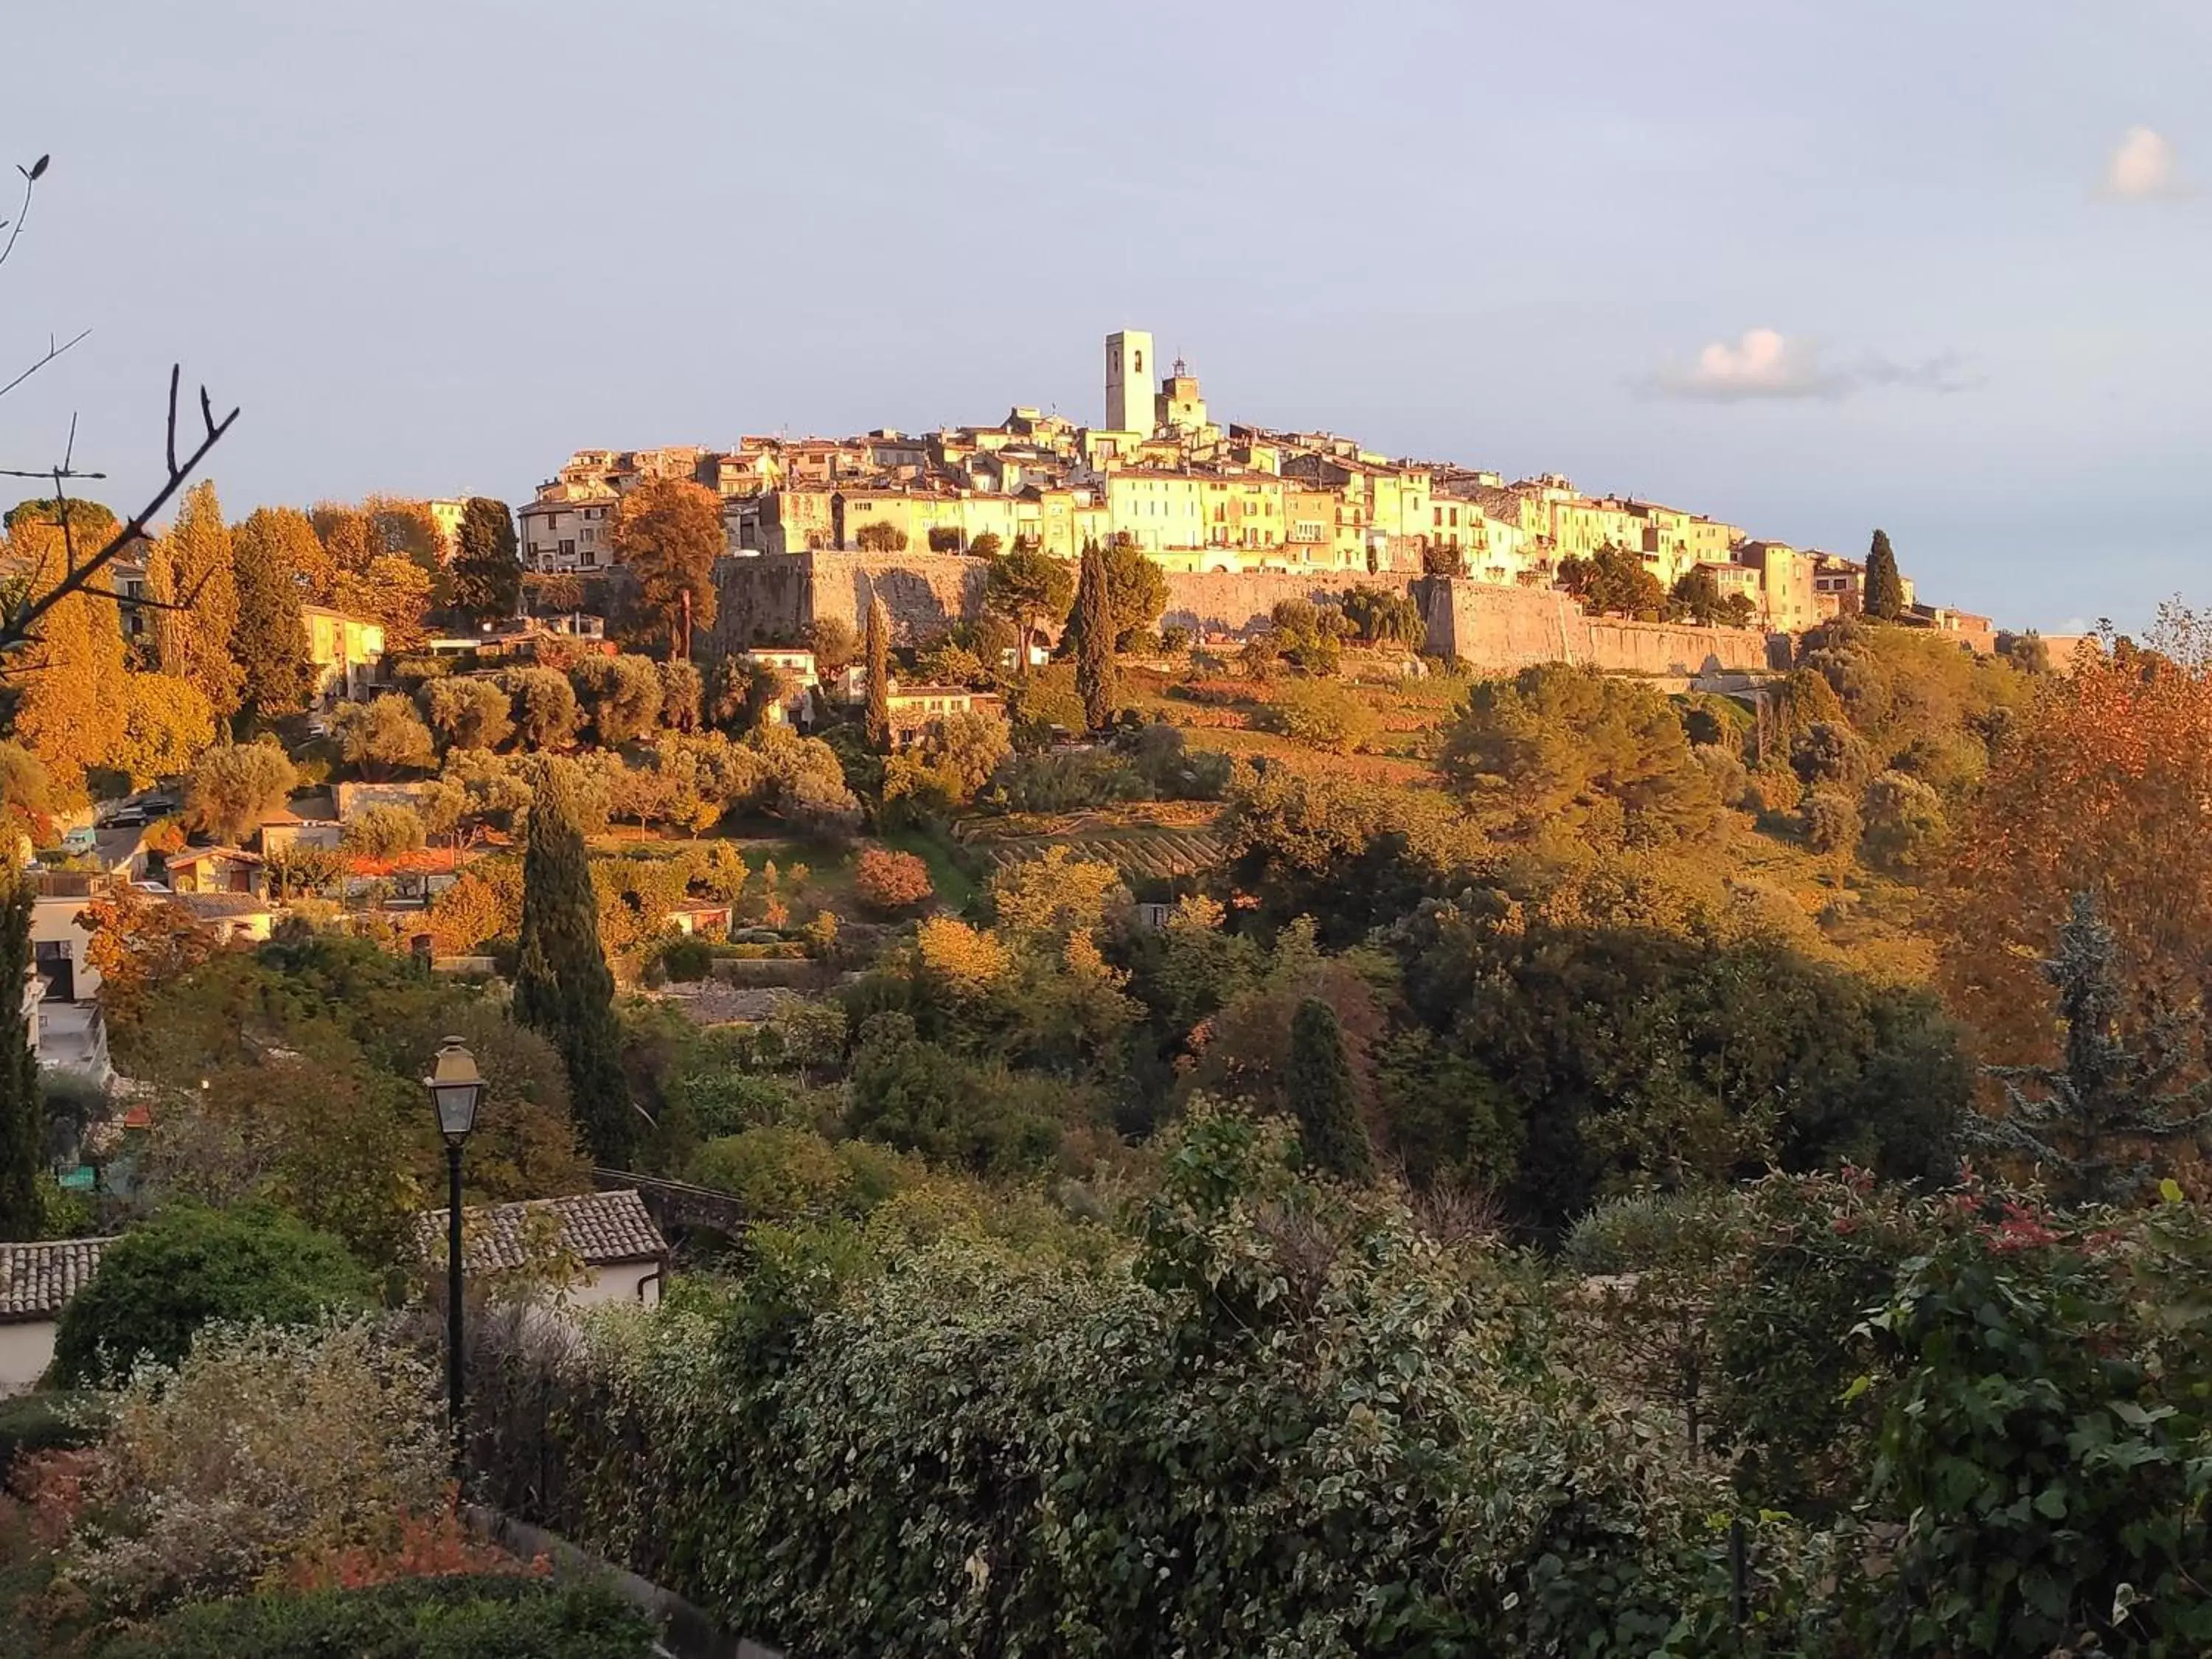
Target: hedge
{"points": [[465, 1616]]}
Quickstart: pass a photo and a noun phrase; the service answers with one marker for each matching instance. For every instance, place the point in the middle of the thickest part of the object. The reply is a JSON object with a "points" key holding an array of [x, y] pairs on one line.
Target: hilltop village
{"points": [[1198, 496]]}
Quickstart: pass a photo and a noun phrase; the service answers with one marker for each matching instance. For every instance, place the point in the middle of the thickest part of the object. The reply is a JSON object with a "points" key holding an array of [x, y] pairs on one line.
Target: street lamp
{"points": [[455, 1087]]}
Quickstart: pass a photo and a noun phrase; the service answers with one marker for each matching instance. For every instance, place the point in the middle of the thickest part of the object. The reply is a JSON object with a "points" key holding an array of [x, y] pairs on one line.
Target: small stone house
{"points": [[215, 870], [37, 1281], [607, 1238]]}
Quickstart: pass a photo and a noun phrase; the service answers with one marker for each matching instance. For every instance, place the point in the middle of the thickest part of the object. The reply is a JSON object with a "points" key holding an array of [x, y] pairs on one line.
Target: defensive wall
{"points": [[777, 596], [1493, 626], [774, 597]]}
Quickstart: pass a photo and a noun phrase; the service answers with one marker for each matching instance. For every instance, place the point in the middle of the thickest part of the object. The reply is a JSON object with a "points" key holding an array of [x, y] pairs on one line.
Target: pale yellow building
{"points": [[1061, 521], [931, 521], [346, 653], [446, 514], [1788, 601], [1162, 512]]}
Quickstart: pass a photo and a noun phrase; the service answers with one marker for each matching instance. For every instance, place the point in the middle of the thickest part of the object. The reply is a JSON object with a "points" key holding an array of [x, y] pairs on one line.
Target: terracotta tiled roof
{"points": [[37, 1279], [198, 854], [598, 1229]]}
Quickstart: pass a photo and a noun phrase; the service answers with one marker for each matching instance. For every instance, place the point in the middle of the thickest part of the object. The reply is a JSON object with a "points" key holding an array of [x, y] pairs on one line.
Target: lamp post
{"points": [[455, 1087]]}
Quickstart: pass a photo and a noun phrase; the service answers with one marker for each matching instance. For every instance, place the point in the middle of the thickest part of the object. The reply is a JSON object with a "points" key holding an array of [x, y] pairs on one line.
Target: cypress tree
{"points": [[1094, 651], [21, 1113], [1885, 588], [878, 656], [1320, 1086], [563, 989], [269, 553], [486, 574]]}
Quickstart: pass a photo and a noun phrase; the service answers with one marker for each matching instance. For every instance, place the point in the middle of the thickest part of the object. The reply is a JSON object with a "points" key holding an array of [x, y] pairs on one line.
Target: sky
{"points": [[1811, 269]]}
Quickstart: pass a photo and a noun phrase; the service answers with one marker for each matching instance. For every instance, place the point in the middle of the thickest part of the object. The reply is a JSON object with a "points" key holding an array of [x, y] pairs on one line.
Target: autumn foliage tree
{"points": [[232, 786], [66, 712], [138, 944], [191, 570], [888, 880], [2104, 787], [377, 560], [668, 533]]}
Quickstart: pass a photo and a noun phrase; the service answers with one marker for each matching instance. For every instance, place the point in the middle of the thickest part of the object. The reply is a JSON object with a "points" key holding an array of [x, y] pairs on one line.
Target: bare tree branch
{"points": [[18, 624], [52, 352]]}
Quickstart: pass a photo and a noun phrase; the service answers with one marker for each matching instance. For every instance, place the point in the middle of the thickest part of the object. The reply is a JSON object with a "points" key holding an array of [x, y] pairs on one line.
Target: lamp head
{"points": [[455, 1087]]}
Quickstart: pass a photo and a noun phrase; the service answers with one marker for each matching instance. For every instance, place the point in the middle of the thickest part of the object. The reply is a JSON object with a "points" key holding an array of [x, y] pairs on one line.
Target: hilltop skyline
{"points": [[1794, 272]]}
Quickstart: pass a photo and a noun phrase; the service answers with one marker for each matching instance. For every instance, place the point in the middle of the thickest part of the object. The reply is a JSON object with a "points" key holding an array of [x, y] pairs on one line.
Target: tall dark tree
{"points": [[563, 989], [269, 553], [2094, 1127], [1094, 656], [1885, 588], [879, 658], [486, 572], [1319, 1079], [22, 1125]]}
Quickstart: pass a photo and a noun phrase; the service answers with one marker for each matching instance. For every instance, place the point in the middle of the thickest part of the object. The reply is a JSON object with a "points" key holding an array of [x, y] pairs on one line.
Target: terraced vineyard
{"points": [[1184, 845]]}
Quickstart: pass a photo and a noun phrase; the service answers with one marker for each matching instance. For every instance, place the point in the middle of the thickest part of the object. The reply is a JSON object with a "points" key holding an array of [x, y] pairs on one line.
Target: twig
{"points": [[135, 601], [30, 180], [52, 352]]}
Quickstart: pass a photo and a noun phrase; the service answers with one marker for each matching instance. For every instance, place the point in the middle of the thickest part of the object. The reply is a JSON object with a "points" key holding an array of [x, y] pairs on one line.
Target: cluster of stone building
{"points": [[1195, 494]]}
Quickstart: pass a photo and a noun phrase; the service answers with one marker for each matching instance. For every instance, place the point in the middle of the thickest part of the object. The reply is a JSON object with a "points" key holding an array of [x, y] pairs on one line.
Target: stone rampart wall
{"points": [[775, 596], [1218, 601], [1494, 627]]}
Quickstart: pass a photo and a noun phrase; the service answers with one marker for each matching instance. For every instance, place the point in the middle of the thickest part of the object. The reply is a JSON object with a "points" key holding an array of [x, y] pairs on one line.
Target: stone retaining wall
{"points": [[776, 596]]}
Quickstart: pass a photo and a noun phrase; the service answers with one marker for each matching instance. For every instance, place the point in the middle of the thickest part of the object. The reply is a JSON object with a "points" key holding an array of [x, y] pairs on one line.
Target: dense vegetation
{"points": [[1510, 1166]]}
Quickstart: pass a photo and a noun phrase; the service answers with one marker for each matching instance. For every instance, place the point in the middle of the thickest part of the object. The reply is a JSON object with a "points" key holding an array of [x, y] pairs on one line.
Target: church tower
{"points": [[1130, 368]]}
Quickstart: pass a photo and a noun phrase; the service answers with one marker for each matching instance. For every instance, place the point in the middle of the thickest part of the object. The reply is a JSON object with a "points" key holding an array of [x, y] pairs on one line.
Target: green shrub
{"points": [[463, 1616], [687, 959], [158, 1284], [918, 1097], [874, 1174], [48, 1421], [1322, 715], [721, 1103], [2044, 1437], [780, 1172], [1065, 780]]}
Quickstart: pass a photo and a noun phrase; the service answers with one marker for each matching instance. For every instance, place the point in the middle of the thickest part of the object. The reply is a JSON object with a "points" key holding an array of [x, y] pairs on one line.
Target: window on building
{"points": [[567, 549]]}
